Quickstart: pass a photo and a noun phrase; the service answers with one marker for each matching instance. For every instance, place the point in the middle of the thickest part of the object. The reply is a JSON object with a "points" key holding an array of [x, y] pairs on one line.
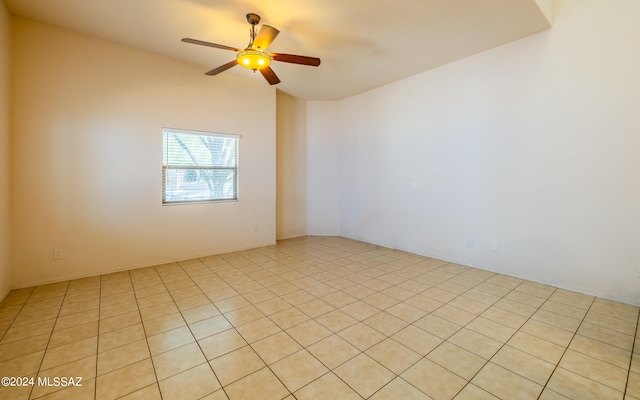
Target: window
{"points": [[199, 166]]}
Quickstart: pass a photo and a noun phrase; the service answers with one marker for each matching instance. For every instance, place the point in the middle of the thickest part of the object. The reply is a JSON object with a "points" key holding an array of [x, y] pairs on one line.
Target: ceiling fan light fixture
{"points": [[253, 59]]}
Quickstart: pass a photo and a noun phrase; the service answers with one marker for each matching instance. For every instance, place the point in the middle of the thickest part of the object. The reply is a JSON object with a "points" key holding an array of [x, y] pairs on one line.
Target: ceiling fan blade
{"points": [[203, 43], [222, 68], [294, 59], [265, 36], [270, 76]]}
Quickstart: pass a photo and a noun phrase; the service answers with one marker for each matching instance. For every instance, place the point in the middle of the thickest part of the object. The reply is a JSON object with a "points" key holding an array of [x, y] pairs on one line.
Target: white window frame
{"points": [[193, 166]]}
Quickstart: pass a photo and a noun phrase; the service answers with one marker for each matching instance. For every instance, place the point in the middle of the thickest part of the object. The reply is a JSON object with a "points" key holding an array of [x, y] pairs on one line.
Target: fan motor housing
{"points": [[253, 19]]}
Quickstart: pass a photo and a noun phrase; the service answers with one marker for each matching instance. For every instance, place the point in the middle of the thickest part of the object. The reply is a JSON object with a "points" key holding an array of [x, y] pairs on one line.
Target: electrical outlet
{"points": [[57, 254], [256, 228], [469, 243], [494, 247]]}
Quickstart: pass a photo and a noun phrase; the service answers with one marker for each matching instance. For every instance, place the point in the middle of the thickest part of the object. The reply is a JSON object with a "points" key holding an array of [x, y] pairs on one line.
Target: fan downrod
{"points": [[253, 19]]}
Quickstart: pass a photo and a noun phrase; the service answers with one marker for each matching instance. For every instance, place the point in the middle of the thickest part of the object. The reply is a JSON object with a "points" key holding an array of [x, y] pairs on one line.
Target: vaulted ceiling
{"points": [[363, 44]]}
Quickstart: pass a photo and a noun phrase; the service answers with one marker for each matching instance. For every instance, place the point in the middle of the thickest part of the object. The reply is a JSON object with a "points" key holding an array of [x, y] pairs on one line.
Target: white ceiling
{"points": [[363, 44]]}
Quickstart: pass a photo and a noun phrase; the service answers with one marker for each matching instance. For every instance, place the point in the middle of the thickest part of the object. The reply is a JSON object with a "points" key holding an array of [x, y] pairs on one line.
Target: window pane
{"points": [[199, 150], [199, 185], [199, 166]]}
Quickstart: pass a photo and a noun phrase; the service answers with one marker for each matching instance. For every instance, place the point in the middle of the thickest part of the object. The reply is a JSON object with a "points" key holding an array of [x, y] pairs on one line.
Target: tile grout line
{"points": [[226, 319], [17, 313], [173, 299], [133, 286], [557, 364], [50, 334], [504, 344], [95, 385], [633, 346]]}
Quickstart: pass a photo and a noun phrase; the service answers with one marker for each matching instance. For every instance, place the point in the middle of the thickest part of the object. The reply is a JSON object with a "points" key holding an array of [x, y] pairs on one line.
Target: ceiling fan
{"points": [[254, 56]]}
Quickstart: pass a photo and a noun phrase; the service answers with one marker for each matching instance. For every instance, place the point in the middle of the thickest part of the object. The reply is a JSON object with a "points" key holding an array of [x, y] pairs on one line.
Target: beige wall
{"points": [[323, 168], [291, 166], [5, 156], [532, 145], [86, 144]]}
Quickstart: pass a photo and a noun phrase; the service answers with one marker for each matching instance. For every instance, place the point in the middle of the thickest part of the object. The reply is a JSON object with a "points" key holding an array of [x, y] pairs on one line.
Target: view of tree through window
{"points": [[199, 166]]}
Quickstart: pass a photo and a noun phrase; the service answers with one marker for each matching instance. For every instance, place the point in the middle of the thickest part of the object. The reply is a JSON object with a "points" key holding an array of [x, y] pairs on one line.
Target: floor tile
{"points": [[406, 312], [27, 365], [515, 307], [385, 323], [418, 340], [633, 385], [81, 371], [394, 356], [60, 355], [327, 387], [315, 308], [236, 365], [574, 386], [437, 326], [221, 343], [119, 357], [572, 298], [399, 389], [199, 313], [177, 360], [119, 321], [614, 309], [231, 303], [434, 380], [360, 310], [120, 337], [308, 332], [70, 335], [602, 351], [362, 336], [424, 303], [457, 360], [333, 351], [244, 315], [125, 380], [162, 324], [193, 384], [610, 322], [560, 321], [564, 309], [209, 326], [472, 392], [594, 369], [26, 331], [491, 329], [273, 306], [336, 320], [537, 347], [606, 335], [298, 370], [339, 299], [455, 315], [506, 384], [524, 364], [290, 317], [548, 332], [364, 375], [263, 382], [151, 392], [473, 306]]}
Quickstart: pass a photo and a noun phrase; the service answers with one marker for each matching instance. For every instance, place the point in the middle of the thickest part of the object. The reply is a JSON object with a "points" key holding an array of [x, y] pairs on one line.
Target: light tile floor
{"points": [[317, 318]]}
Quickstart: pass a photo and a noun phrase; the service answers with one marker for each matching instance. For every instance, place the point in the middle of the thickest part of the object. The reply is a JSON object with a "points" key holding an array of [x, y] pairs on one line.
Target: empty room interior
{"points": [[420, 200]]}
